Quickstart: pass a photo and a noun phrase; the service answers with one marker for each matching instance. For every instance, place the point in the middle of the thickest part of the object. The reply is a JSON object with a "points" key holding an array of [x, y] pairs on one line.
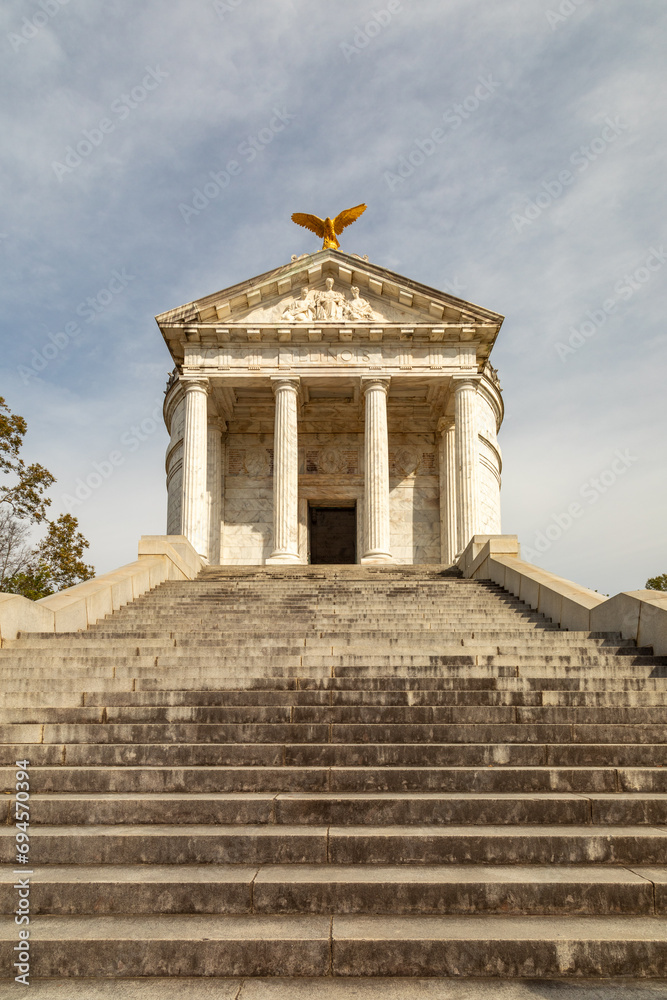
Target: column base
{"points": [[282, 558], [377, 557]]}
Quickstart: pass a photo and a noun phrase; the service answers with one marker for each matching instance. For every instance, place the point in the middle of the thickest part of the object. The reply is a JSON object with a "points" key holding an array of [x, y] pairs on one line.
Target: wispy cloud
{"points": [[449, 224]]}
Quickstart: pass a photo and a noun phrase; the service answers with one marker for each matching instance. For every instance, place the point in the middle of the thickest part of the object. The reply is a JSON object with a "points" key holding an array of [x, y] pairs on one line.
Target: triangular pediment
{"points": [[389, 294], [331, 288]]}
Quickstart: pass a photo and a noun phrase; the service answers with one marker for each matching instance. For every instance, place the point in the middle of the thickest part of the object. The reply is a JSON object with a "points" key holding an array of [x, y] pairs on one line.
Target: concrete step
{"points": [[162, 667], [340, 714], [316, 698], [348, 733], [629, 699], [101, 778], [420, 629], [617, 688], [335, 591], [366, 714], [263, 843], [257, 945], [372, 619], [335, 646], [336, 987], [95, 637], [494, 682], [361, 808], [288, 594], [500, 754], [368, 662], [340, 889]]}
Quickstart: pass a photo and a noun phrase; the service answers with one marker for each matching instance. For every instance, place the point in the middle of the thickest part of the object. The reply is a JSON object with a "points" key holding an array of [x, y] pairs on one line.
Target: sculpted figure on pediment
{"points": [[358, 308], [327, 305], [330, 303], [303, 309]]}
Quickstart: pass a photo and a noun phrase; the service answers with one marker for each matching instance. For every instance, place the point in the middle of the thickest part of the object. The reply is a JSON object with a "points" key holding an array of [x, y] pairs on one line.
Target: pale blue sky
{"points": [[162, 93]]}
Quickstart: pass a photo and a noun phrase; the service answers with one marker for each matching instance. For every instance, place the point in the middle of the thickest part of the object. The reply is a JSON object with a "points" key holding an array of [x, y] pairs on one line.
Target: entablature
{"points": [[393, 356], [182, 338]]}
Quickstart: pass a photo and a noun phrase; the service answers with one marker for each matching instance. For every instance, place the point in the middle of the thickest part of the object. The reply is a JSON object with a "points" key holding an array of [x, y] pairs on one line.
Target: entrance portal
{"points": [[332, 533]]}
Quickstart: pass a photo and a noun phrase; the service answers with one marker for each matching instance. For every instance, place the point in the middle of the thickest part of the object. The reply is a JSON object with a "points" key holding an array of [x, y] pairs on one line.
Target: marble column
{"points": [[194, 513], [467, 461], [376, 472], [285, 472], [214, 488], [447, 473]]}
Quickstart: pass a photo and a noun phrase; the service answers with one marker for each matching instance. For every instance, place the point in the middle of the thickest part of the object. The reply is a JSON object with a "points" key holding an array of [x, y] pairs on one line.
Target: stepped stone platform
{"points": [[355, 781]]}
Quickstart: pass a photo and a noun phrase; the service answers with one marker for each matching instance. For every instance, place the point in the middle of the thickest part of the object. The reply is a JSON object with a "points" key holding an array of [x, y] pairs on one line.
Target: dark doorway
{"points": [[333, 534]]}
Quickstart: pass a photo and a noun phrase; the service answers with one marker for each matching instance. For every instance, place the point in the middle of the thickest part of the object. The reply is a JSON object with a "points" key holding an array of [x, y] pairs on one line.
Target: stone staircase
{"points": [[336, 772]]}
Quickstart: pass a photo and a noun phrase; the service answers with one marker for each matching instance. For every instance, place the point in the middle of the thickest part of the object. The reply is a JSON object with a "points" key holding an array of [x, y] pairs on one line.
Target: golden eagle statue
{"points": [[328, 228]]}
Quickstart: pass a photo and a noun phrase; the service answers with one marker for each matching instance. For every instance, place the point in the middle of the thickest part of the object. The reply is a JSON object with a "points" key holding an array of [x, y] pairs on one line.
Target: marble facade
{"points": [[329, 381]]}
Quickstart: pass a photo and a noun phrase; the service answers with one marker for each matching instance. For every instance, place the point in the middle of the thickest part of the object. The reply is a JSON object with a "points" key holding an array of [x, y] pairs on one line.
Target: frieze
{"points": [[318, 354]]}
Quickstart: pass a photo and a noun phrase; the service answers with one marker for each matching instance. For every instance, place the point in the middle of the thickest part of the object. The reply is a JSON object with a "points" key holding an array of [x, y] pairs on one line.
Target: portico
{"points": [[332, 383]]}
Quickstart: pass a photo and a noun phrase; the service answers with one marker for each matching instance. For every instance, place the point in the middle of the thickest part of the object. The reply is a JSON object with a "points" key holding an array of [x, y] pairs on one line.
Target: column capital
{"points": [[461, 381], [216, 423], [375, 382], [444, 424], [285, 382], [197, 383]]}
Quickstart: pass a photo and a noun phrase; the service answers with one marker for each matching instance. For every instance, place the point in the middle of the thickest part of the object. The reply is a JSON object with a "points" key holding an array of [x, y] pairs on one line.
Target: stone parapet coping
{"points": [[160, 558], [638, 614]]}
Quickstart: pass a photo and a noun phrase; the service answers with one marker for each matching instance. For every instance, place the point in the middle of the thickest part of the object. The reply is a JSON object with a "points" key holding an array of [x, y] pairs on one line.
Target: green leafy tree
{"points": [[33, 583], [657, 582], [57, 561], [60, 554], [26, 492]]}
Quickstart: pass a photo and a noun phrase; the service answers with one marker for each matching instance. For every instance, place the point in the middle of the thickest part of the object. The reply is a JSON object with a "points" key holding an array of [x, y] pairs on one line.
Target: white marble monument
{"points": [[327, 397]]}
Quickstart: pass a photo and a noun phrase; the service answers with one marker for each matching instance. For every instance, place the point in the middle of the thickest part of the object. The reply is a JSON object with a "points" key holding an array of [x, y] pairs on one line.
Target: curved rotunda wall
{"points": [[489, 417], [174, 413]]}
